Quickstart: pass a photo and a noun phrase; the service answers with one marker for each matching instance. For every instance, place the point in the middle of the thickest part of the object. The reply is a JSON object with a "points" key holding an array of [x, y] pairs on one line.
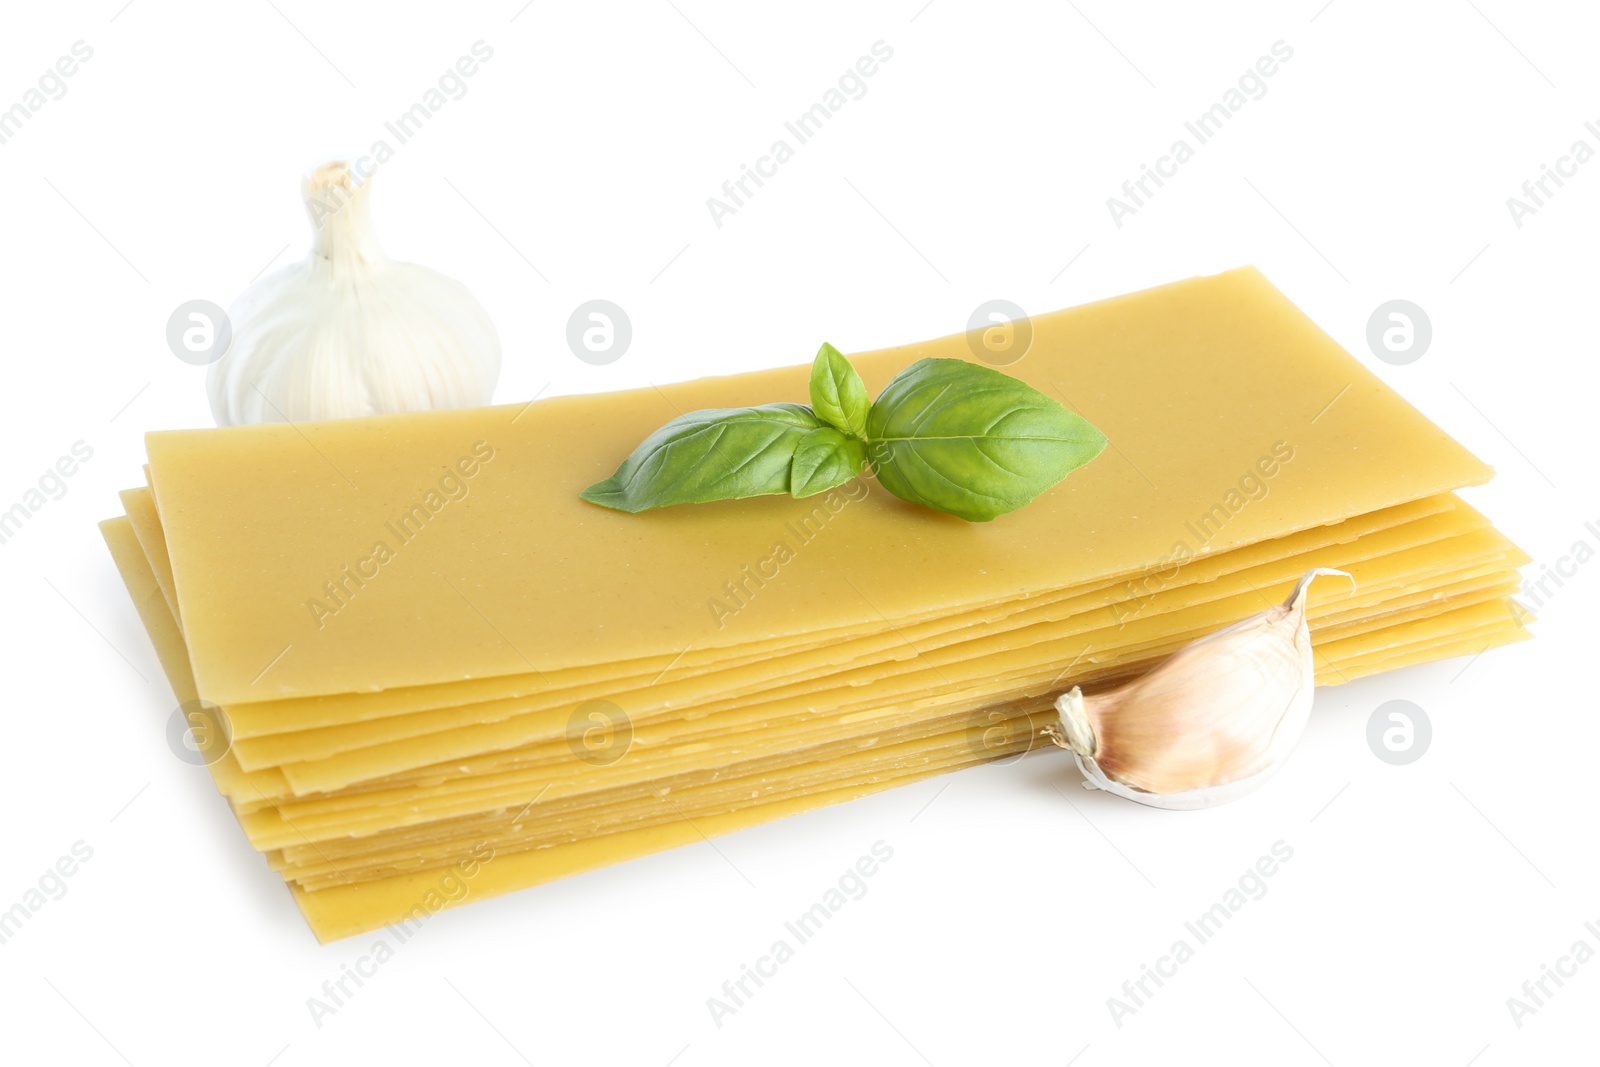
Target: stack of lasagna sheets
{"points": [[436, 666]]}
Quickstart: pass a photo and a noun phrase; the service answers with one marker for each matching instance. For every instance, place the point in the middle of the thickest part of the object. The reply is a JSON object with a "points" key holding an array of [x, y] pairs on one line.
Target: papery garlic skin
{"points": [[349, 332], [1208, 724]]}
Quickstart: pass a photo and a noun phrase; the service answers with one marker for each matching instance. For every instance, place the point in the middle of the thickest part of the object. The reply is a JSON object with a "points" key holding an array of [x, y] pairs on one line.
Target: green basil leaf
{"points": [[974, 442], [715, 454], [838, 395], [825, 458]]}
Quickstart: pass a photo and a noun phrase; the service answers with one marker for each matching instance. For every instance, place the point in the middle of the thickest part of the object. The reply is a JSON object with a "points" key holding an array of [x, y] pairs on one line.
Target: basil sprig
{"points": [[951, 435]]}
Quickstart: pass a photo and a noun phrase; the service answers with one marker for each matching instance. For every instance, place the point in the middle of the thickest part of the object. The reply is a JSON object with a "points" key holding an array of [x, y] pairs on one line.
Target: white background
{"points": [[1377, 166]]}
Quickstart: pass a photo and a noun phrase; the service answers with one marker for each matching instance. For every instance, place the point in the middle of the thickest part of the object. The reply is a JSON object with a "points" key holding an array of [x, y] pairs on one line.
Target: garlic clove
{"points": [[349, 332], [1208, 724]]}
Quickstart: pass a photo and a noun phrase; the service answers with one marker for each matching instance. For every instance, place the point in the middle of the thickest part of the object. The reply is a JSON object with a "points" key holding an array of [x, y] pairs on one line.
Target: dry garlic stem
{"points": [[1207, 725]]}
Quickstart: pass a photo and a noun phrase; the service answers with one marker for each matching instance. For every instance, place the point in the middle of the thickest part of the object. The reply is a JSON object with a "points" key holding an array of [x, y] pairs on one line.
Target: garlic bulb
{"points": [[348, 331], [1209, 723]]}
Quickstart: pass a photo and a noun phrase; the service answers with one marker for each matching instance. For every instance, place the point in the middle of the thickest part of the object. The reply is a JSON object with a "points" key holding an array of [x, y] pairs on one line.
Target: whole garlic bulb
{"points": [[348, 331], [1208, 724]]}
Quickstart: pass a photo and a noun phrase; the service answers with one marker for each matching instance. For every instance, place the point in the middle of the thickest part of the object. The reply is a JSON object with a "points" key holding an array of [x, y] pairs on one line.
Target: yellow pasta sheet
{"points": [[554, 688], [491, 565], [477, 870]]}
